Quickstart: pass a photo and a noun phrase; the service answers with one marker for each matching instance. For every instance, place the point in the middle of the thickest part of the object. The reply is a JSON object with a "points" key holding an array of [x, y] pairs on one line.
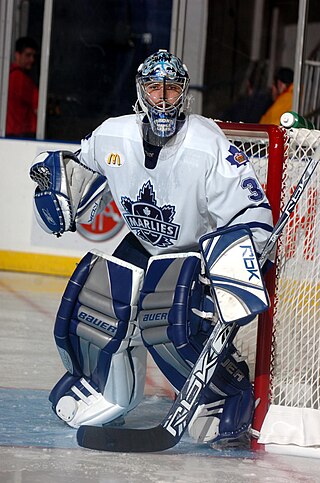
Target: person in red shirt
{"points": [[23, 92]]}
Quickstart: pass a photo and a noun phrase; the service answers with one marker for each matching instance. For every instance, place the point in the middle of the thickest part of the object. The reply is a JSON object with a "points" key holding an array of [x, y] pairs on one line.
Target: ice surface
{"points": [[36, 447]]}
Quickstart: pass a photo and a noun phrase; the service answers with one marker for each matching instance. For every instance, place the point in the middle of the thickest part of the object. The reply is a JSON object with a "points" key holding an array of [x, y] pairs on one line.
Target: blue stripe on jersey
{"points": [[264, 206], [263, 226]]}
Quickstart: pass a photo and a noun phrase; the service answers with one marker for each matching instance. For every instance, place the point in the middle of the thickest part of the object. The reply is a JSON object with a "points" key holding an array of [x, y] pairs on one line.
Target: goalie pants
{"points": [[111, 312]]}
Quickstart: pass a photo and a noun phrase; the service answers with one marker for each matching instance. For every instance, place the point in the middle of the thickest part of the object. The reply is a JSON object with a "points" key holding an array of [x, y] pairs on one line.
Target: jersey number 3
{"points": [[253, 186]]}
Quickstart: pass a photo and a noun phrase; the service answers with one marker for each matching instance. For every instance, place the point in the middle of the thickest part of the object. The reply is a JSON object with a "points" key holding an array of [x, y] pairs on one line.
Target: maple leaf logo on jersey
{"points": [[237, 157], [149, 221]]}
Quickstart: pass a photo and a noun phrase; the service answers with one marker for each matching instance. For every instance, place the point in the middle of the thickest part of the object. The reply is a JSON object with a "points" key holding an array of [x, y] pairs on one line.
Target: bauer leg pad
{"points": [[99, 342]]}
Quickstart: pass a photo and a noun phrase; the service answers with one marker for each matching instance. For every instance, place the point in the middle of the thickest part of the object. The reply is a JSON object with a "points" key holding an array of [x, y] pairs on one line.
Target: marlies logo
{"points": [[148, 221], [237, 158], [114, 159]]}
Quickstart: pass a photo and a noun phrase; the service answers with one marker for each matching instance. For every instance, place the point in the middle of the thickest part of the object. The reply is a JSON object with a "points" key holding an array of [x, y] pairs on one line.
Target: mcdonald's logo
{"points": [[113, 159]]}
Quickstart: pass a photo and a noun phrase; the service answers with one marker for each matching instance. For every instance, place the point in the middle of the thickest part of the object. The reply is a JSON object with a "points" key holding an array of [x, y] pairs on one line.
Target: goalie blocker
{"points": [[234, 273]]}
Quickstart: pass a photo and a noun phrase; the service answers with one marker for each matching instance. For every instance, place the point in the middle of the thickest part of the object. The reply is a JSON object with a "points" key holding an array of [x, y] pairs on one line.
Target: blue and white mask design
{"points": [[162, 84]]}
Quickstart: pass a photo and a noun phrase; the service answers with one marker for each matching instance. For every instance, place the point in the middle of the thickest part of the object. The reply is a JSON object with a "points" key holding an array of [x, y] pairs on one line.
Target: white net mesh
{"points": [[292, 415], [296, 366]]}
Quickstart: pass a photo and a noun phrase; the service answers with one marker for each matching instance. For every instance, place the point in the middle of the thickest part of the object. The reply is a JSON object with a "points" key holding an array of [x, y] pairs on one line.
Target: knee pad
{"points": [[99, 342]]}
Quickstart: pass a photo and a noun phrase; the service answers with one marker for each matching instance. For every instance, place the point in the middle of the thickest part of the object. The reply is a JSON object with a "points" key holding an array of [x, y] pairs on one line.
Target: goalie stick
{"points": [[169, 432]]}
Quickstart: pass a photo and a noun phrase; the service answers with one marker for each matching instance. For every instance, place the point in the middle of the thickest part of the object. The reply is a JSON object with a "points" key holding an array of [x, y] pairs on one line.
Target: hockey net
{"points": [[283, 346]]}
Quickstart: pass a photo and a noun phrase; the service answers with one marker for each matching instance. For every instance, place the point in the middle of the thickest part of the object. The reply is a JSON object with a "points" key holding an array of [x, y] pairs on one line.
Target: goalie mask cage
{"points": [[282, 347]]}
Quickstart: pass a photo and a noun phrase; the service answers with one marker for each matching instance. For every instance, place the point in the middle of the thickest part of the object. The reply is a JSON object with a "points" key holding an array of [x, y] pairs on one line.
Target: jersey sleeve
{"points": [[87, 157], [235, 195], [86, 154]]}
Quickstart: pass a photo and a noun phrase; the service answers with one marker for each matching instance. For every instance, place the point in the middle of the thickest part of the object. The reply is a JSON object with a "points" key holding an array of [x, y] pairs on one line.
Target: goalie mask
{"points": [[162, 84]]}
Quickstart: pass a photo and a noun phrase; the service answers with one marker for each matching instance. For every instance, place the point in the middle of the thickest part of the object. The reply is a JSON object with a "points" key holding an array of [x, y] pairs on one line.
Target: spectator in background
{"points": [[22, 92], [282, 93]]}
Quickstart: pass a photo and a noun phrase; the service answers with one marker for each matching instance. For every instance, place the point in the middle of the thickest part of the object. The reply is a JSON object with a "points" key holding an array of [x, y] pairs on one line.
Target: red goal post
{"points": [[265, 146]]}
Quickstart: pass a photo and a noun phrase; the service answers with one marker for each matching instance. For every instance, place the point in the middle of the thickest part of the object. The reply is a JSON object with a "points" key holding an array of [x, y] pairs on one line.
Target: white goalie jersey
{"points": [[197, 183]]}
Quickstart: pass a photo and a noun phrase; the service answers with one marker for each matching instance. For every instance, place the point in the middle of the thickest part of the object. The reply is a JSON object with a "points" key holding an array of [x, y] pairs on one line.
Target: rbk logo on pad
{"points": [[237, 157], [250, 262], [149, 221]]}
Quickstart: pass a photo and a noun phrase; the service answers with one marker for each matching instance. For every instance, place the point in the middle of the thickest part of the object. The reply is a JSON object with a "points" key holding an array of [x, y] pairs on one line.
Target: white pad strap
{"points": [[204, 425], [92, 409]]}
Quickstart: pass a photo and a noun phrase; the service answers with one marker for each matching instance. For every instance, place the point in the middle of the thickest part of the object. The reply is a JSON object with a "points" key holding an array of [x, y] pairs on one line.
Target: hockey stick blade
{"points": [[126, 440], [169, 432]]}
